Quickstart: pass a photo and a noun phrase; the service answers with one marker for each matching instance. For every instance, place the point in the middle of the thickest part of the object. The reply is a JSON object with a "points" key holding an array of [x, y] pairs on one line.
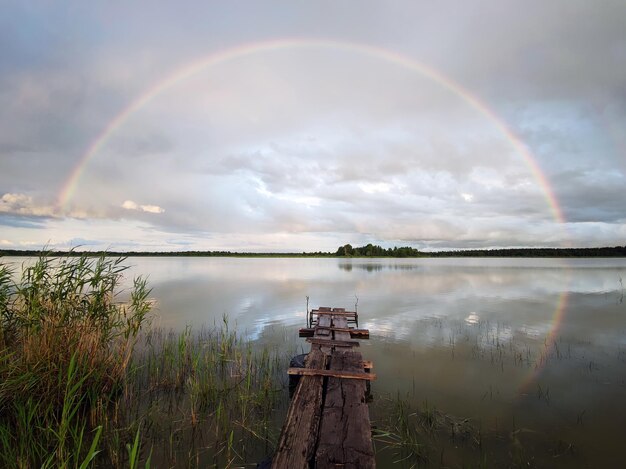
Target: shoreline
{"points": [[555, 253]]}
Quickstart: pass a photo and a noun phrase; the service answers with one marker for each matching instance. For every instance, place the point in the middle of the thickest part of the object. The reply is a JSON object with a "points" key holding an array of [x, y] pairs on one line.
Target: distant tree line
{"points": [[26, 253], [377, 251], [406, 251], [347, 250], [616, 251]]}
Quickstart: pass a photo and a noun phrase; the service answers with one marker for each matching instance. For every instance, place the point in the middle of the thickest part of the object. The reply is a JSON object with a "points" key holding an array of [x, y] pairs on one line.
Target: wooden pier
{"points": [[328, 423]]}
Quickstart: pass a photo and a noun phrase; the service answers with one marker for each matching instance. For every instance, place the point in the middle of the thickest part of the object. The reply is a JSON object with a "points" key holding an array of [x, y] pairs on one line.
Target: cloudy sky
{"points": [[293, 126]]}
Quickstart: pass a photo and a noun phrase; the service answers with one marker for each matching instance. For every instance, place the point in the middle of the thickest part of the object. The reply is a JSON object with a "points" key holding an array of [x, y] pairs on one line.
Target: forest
{"points": [[347, 250]]}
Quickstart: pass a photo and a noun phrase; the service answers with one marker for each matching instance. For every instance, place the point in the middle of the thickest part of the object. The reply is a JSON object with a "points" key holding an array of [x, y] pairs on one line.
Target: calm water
{"points": [[531, 351], [534, 348]]}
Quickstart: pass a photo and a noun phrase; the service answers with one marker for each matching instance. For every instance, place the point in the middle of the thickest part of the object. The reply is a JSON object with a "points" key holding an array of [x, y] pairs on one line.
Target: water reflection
{"points": [[509, 343], [394, 295], [376, 266]]}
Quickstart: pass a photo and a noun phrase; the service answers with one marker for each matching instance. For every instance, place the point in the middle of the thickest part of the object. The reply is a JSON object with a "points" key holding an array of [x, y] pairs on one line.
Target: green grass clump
{"points": [[65, 346], [211, 396], [82, 384]]}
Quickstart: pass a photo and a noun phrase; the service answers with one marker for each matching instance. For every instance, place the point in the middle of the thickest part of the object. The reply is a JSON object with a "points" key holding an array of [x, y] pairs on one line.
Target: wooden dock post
{"points": [[327, 424]]}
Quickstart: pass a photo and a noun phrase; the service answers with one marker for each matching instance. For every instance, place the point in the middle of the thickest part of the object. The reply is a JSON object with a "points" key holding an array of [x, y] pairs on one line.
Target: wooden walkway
{"points": [[328, 423]]}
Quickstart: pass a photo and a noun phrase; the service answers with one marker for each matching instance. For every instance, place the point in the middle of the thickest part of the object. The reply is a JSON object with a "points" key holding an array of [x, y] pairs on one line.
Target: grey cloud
{"points": [[556, 49], [319, 140], [145, 144], [21, 221], [592, 195]]}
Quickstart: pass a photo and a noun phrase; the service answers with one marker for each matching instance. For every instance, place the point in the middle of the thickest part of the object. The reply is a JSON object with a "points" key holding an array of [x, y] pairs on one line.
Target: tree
{"points": [[345, 250]]}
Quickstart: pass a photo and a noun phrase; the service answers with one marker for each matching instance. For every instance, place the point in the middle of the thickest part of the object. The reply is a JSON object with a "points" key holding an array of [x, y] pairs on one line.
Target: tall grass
{"points": [[84, 381], [222, 393], [65, 346]]}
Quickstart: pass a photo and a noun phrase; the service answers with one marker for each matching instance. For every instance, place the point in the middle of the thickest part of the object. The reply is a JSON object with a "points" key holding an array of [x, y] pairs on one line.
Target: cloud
{"points": [[318, 143], [130, 205], [22, 204]]}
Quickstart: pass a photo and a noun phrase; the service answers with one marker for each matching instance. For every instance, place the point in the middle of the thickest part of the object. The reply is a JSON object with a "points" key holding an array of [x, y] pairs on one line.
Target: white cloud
{"points": [[130, 205], [374, 187], [152, 208], [22, 204]]}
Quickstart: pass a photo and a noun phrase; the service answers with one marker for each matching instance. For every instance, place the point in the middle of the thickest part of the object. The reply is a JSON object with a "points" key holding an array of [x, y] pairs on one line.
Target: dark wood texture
{"points": [[332, 342], [333, 313], [327, 425], [332, 373], [298, 438], [345, 435], [354, 333]]}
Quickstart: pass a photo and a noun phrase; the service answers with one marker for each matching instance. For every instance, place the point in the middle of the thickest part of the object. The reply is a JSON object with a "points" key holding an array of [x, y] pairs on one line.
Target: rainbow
{"points": [[71, 183], [550, 339]]}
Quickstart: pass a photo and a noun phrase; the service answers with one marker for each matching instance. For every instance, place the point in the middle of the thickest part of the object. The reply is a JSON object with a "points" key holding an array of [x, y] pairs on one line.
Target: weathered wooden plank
{"points": [[340, 324], [354, 333], [345, 434], [324, 321], [296, 445], [338, 435], [333, 313], [332, 373], [333, 343]]}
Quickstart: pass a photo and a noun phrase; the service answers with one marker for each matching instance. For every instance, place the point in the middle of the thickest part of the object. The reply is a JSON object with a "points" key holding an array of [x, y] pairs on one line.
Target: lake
{"points": [[526, 358]]}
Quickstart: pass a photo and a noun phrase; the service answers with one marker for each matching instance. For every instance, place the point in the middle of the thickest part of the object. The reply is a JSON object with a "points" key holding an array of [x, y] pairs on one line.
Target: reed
{"points": [[84, 380], [65, 346], [217, 387]]}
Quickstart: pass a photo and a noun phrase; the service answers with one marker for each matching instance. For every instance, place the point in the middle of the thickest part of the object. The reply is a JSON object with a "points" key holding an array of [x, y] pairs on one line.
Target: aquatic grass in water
{"points": [[223, 393], [521, 415], [65, 345], [82, 384], [207, 397]]}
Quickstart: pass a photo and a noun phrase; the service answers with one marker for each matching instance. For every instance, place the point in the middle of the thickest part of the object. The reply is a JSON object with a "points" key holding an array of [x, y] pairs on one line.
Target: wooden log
{"points": [[332, 373], [345, 433], [296, 445], [333, 343]]}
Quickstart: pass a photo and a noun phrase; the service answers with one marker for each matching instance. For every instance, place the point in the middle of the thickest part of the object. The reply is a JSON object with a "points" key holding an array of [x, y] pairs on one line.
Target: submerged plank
{"points": [[332, 373], [345, 433], [368, 364], [327, 425], [324, 321], [322, 330], [296, 446], [333, 343], [333, 313]]}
